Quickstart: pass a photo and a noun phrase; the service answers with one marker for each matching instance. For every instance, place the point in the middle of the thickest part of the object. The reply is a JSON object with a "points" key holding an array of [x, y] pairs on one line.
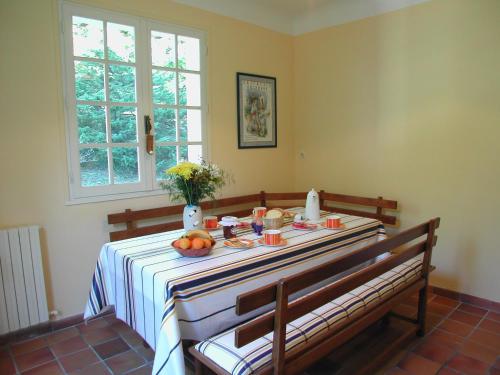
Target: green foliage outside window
{"points": [[91, 120]]}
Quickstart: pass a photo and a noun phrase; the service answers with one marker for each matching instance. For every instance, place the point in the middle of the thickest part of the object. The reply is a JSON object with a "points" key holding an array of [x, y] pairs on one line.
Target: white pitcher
{"points": [[312, 206]]}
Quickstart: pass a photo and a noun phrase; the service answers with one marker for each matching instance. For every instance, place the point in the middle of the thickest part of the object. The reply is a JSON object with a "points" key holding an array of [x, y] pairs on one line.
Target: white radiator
{"points": [[23, 301]]}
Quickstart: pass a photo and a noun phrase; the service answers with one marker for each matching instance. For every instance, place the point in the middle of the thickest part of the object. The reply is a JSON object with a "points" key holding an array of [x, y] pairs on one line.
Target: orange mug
{"points": [[210, 222], [333, 222], [259, 212], [272, 237]]}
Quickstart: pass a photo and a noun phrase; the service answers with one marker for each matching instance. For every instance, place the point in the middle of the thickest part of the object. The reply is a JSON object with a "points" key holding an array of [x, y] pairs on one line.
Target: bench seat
{"points": [[334, 315]]}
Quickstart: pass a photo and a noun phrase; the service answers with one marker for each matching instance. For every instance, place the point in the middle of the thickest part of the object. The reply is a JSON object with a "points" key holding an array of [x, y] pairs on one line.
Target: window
{"points": [[118, 71]]}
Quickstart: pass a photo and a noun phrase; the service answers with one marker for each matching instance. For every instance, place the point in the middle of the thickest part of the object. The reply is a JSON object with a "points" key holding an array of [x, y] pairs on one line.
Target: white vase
{"points": [[192, 217]]}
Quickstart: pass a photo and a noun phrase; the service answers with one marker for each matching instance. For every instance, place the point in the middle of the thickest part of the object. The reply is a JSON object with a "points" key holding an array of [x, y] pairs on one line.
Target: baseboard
{"points": [[466, 298], [46, 327]]}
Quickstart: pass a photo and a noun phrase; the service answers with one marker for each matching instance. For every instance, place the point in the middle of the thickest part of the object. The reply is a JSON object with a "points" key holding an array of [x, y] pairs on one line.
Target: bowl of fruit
{"points": [[194, 243]]}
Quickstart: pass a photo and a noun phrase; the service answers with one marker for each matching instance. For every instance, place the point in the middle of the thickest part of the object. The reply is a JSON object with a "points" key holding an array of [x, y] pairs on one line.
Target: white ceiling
{"points": [[296, 17]]}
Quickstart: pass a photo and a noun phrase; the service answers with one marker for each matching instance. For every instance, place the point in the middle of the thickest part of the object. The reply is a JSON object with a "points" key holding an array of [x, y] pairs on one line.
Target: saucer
{"points": [[304, 227], [323, 224], [282, 243], [239, 243], [212, 229]]}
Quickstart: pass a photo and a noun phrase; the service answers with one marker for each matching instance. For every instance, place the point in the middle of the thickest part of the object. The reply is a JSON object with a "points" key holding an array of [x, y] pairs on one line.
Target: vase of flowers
{"points": [[193, 182]]}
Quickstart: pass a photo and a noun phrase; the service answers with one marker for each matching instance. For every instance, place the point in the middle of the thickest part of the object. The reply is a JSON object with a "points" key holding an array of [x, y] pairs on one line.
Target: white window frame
{"points": [[147, 184]]}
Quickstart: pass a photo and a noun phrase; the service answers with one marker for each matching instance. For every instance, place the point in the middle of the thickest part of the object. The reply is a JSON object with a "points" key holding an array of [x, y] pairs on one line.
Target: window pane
{"points": [[121, 83], [189, 53], [89, 80], [123, 124], [163, 87], [189, 89], [125, 164], [166, 157], [94, 166], [121, 42], [183, 153], [192, 153], [91, 123], [164, 123], [163, 49], [190, 125], [88, 37]]}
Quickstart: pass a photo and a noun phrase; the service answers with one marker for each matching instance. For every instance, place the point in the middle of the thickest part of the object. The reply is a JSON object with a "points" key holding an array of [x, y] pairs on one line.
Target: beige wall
{"points": [[407, 105], [404, 104], [34, 187]]}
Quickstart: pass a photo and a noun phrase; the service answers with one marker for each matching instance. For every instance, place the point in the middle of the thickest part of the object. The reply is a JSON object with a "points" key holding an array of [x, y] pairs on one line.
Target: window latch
{"points": [[149, 137]]}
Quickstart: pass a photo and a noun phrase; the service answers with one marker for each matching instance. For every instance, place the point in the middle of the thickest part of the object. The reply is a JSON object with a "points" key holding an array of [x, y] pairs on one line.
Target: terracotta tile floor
{"points": [[462, 339]]}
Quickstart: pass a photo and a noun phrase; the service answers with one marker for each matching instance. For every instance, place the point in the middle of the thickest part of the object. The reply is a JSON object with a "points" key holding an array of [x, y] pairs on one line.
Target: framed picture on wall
{"points": [[257, 122]]}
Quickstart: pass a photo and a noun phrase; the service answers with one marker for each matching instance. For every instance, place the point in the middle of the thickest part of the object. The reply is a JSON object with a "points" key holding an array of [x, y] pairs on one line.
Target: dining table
{"points": [[166, 297]]}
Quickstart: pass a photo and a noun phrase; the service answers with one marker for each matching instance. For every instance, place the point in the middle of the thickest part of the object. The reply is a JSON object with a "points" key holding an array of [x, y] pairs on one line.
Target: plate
{"points": [[240, 244], [282, 243], [307, 227], [342, 226], [244, 224]]}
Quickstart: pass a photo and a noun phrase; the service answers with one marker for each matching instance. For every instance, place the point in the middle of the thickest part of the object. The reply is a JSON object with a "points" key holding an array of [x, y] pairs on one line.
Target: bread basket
{"points": [[274, 223]]}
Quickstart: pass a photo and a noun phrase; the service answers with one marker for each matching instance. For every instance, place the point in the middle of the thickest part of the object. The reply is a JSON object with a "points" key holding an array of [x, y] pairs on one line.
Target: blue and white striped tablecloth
{"points": [[166, 297]]}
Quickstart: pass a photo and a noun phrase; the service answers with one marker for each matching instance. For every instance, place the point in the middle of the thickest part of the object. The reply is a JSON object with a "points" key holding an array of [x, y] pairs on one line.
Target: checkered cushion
{"points": [[333, 315]]}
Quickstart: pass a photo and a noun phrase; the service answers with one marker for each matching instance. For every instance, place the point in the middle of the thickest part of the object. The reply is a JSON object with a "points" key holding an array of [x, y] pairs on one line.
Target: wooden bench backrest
{"points": [[378, 203], [287, 312], [130, 218], [326, 199]]}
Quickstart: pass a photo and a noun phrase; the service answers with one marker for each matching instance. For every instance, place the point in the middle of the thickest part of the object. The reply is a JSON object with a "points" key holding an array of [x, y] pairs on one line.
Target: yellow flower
{"points": [[184, 169]]}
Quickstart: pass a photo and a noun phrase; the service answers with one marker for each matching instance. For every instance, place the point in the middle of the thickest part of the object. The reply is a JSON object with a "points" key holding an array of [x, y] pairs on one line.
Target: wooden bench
{"points": [[329, 316], [232, 206]]}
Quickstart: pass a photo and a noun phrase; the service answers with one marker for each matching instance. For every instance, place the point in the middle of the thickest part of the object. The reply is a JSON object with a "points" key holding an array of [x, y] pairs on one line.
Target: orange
{"points": [[198, 243], [184, 243], [177, 243], [208, 243]]}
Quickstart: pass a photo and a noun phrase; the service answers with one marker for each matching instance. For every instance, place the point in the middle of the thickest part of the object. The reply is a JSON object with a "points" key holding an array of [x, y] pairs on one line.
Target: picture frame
{"points": [[257, 111]]}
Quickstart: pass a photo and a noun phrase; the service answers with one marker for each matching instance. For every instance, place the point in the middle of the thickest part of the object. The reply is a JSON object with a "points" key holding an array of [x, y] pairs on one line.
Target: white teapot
{"points": [[312, 206]]}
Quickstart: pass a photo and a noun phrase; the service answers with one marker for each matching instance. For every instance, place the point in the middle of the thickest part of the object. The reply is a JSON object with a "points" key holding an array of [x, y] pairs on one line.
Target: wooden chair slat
{"points": [[348, 283], [144, 231], [150, 213], [261, 326], [386, 219], [362, 201], [285, 196], [257, 298], [239, 213], [280, 320], [232, 201], [131, 217]]}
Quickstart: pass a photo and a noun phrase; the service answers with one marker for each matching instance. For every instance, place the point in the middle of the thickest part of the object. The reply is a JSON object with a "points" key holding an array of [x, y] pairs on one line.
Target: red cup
{"points": [[333, 222], [259, 212], [272, 237], [210, 222]]}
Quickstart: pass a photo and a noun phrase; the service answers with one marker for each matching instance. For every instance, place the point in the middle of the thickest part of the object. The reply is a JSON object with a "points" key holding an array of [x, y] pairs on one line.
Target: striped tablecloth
{"points": [[166, 297]]}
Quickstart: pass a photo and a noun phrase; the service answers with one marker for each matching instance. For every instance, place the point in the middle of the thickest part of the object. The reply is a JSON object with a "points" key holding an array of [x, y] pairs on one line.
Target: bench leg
{"points": [[198, 367], [422, 311]]}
